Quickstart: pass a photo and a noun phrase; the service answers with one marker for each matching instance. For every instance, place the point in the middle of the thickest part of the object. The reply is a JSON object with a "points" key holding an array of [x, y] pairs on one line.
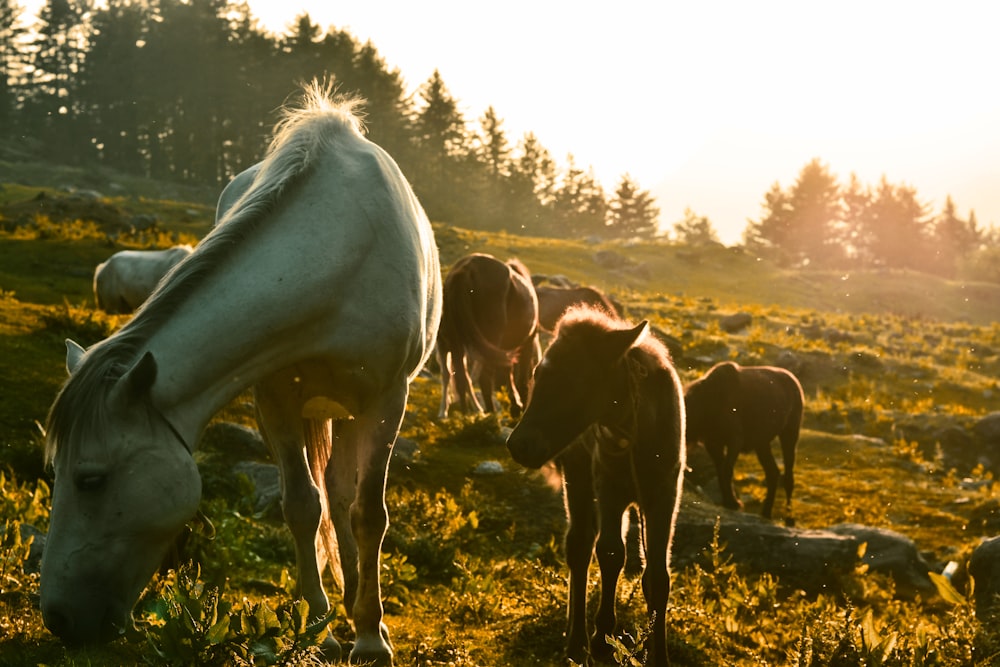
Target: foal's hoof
{"points": [[790, 521]]}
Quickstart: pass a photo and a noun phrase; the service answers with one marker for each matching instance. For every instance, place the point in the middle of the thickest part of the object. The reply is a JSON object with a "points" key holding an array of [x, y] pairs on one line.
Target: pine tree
{"points": [[802, 225], [897, 226], [579, 208], [632, 211], [953, 239], [8, 58], [695, 230], [441, 149], [532, 184]]}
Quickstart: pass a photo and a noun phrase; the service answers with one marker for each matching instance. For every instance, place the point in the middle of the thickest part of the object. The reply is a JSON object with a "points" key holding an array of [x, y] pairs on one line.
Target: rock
{"points": [[405, 450], [988, 428], [33, 564], [609, 259], [984, 567], [489, 468], [811, 560], [266, 482], [735, 322], [894, 554], [236, 438]]}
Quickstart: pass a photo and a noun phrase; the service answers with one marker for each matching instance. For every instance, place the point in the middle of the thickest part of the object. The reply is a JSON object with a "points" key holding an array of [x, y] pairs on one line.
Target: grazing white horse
{"points": [[320, 287], [127, 278]]}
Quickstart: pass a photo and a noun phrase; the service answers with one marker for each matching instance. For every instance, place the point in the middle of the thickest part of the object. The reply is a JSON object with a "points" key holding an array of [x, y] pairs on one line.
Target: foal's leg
{"points": [[611, 558], [658, 528], [580, 534], [771, 474], [373, 433]]}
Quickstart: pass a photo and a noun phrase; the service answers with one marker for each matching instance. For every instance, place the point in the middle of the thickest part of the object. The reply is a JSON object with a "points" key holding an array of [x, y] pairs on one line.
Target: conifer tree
{"points": [[695, 230], [632, 211]]}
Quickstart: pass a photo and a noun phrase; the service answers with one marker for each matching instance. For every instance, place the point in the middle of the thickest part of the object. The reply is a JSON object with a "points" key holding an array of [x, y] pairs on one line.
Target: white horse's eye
{"points": [[90, 481]]}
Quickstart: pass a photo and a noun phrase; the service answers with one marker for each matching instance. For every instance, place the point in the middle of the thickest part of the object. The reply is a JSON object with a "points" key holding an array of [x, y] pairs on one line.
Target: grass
{"points": [[473, 571]]}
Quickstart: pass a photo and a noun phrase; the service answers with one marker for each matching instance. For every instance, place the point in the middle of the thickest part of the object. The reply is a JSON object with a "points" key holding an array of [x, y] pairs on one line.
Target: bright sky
{"points": [[708, 103]]}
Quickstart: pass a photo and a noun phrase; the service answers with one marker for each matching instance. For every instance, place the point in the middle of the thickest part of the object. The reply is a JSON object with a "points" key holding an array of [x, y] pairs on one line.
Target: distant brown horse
{"points": [[607, 408], [490, 315], [733, 409], [553, 301]]}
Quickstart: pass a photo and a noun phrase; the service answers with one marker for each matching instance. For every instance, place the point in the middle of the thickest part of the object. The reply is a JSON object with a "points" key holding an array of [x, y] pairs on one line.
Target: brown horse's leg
{"points": [[788, 443], [466, 395], [444, 361], [580, 536], [725, 462], [487, 385], [771, 474]]}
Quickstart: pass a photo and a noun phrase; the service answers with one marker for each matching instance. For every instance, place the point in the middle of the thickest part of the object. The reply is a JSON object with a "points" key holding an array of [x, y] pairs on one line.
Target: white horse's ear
{"points": [[140, 377], [74, 353]]}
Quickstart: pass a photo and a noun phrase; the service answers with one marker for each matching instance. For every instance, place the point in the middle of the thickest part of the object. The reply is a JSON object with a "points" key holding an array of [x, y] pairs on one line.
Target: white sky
{"points": [[708, 103]]}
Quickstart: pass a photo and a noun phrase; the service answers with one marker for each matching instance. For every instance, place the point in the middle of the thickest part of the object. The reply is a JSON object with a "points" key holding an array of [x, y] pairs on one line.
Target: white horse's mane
{"points": [[320, 119]]}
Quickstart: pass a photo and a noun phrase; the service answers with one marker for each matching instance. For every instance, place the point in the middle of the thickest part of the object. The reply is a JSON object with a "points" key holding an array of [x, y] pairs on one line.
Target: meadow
{"points": [[472, 570]]}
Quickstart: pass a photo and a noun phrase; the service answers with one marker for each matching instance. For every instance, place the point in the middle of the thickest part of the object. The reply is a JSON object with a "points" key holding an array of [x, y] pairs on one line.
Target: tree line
{"points": [[819, 221], [189, 90]]}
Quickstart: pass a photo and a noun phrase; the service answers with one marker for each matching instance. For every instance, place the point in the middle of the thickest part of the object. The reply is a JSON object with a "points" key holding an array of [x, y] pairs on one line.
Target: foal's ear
{"points": [[626, 339], [140, 377], [74, 353]]}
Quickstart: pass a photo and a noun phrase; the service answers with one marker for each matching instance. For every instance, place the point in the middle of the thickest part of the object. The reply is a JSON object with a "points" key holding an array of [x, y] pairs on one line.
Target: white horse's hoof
{"points": [[330, 648]]}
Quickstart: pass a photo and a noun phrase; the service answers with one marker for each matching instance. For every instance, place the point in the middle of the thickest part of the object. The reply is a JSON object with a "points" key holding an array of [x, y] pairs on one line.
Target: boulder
{"points": [[894, 554], [735, 322], [984, 567]]}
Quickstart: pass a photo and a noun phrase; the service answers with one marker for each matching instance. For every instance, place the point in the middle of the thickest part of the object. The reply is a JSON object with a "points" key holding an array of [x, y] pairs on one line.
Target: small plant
{"points": [[187, 623]]}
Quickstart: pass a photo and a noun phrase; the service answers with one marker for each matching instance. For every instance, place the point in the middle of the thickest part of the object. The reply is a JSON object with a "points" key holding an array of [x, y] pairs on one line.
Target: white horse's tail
{"points": [[319, 441]]}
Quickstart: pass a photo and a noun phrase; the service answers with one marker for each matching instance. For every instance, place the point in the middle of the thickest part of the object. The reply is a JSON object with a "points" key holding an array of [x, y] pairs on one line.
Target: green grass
{"points": [[473, 571]]}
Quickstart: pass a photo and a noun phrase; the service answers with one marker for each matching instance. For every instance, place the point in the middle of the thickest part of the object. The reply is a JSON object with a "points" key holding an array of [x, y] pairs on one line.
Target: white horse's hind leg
{"points": [[375, 431], [341, 490], [283, 428]]}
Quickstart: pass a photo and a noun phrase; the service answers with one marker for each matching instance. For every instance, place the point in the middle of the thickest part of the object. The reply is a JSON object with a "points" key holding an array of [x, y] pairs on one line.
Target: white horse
{"points": [[127, 278], [320, 287]]}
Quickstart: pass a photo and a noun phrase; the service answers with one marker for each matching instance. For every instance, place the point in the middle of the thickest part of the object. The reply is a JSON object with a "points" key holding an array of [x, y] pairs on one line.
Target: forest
{"points": [[188, 90]]}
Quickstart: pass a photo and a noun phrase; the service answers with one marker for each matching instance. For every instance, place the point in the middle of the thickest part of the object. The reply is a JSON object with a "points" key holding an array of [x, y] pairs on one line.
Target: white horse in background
{"points": [[127, 278], [321, 288]]}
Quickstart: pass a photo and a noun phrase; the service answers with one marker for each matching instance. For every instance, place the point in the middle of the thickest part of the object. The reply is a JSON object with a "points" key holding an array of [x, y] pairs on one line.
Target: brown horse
{"points": [[553, 301], [734, 409], [490, 315], [616, 387]]}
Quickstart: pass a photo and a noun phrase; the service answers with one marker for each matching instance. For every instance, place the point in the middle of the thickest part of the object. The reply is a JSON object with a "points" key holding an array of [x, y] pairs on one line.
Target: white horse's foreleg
{"points": [[376, 432]]}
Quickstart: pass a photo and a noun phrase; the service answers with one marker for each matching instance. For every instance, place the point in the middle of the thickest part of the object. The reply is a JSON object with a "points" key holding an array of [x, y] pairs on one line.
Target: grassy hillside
{"points": [[473, 571]]}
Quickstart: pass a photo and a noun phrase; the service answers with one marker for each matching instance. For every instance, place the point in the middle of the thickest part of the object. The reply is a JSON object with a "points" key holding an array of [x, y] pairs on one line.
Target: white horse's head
{"points": [[125, 484]]}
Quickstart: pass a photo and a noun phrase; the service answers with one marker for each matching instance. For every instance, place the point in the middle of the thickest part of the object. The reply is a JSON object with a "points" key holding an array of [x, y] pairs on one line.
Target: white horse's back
{"points": [[127, 278]]}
